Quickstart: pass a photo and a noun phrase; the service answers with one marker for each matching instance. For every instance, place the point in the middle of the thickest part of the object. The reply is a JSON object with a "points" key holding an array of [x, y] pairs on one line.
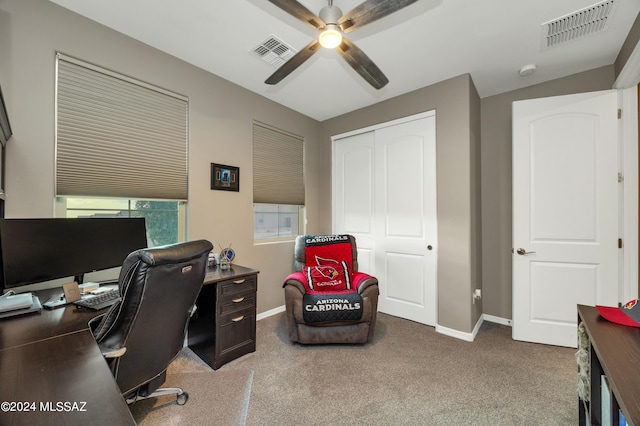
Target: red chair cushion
{"points": [[327, 278], [329, 262]]}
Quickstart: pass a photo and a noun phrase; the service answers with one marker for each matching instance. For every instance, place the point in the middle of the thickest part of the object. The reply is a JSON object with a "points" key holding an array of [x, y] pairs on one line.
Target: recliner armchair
{"points": [[141, 334], [327, 299]]}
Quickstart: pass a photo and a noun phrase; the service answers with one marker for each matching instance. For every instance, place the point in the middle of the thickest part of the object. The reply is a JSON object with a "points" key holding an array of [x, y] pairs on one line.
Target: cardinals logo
{"points": [[329, 269], [328, 274], [630, 304]]}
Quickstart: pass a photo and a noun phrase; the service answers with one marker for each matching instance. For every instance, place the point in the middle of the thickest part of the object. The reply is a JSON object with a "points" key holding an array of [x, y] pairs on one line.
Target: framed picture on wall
{"points": [[225, 178]]}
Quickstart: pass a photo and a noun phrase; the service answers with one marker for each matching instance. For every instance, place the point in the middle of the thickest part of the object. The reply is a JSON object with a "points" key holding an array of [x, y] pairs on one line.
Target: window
{"points": [[162, 217], [278, 183], [276, 220], [121, 149]]}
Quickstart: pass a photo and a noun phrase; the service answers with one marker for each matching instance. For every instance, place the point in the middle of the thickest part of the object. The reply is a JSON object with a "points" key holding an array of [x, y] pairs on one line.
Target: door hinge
{"points": [[619, 113], [619, 243], [620, 177]]}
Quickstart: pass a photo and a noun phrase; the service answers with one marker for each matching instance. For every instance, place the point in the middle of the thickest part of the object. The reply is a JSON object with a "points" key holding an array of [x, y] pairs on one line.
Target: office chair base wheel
{"points": [[182, 398]]}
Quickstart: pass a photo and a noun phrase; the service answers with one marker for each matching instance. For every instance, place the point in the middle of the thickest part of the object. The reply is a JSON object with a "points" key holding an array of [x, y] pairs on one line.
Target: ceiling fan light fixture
{"points": [[330, 37]]}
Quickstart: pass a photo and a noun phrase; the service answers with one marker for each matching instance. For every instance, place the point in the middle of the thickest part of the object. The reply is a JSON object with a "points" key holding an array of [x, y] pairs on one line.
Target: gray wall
{"points": [[628, 47], [496, 179], [457, 108], [221, 114]]}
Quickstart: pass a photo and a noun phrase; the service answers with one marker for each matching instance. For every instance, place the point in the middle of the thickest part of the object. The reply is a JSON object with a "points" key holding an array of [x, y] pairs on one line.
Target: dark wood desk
{"points": [[51, 361], [51, 366], [224, 326], [615, 353], [62, 380], [28, 328]]}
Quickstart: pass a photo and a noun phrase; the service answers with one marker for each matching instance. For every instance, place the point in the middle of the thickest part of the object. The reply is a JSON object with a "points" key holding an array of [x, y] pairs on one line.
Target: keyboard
{"points": [[100, 301]]}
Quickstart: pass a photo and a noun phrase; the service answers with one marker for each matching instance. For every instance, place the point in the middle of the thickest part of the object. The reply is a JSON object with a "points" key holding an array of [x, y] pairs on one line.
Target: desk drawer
{"points": [[239, 303], [230, 288], [237, 335]]}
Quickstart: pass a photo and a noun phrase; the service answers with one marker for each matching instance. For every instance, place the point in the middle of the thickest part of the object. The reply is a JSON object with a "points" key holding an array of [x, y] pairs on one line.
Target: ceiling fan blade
{"points": [[360, 62], [295, 9], [369, 11], [293, 63]]}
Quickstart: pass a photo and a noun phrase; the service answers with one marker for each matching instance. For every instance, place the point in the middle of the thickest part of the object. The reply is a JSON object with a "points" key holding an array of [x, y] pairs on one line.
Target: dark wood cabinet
{"points": [[224, 325], [614, 353]]}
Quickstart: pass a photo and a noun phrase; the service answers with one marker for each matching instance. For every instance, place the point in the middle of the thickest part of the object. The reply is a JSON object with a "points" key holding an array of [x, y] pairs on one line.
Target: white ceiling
{"points": [[425, 43]]}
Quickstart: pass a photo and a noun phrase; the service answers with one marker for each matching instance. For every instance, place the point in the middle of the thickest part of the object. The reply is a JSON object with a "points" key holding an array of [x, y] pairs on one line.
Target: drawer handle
{"points": [[238, 300], [238, 319], [239, 281]]}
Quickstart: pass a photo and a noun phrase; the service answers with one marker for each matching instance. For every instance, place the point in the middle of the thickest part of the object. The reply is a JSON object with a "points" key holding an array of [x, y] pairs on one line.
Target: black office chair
{"points": [[140, 335]]}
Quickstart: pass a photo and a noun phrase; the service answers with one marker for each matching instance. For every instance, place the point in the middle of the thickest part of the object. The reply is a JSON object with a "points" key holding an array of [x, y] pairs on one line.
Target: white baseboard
{"points": [[454, 333], [269, 313], [497, 320], [469, 337]]}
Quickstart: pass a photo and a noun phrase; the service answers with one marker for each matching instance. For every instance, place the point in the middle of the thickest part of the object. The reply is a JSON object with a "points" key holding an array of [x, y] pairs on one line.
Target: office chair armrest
{"points": [[109, 353]]}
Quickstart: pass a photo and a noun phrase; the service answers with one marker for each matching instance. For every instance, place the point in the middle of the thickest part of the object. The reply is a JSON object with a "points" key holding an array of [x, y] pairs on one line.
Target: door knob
{"points": [[522, 252]]}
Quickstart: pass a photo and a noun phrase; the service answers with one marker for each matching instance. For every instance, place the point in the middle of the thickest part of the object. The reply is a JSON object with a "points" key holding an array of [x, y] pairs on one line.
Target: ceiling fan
{"points": [[332, 24]]}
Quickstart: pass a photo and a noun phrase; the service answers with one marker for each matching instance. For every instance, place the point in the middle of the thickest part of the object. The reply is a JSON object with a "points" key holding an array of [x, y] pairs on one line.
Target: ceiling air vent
{"points": [[578, 24], [274, 51]]}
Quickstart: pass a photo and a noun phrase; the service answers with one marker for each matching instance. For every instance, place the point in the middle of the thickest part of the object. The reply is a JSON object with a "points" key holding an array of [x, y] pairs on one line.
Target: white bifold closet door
{"points": [[384, 193]]}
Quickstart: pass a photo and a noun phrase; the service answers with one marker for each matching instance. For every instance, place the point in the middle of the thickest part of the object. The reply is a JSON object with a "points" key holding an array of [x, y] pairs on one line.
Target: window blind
{"points": [[118, 137], [278, 166]]}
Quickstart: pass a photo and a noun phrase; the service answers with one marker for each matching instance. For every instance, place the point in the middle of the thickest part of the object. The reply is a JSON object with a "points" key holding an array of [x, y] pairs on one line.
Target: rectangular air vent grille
{"points": [[274, 51], [579, 24]]}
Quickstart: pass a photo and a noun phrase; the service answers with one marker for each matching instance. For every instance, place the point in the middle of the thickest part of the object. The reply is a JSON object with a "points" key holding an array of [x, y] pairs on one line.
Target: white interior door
{"points": [[384, 193], [565, 212]]}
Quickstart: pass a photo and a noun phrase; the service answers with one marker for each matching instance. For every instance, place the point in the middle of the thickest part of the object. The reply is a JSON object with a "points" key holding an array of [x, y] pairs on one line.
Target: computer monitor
{"points": [[38, 250]]}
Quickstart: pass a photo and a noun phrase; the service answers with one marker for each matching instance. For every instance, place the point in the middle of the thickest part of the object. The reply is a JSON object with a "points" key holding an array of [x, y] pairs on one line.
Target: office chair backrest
{"points": [[159, 287]]}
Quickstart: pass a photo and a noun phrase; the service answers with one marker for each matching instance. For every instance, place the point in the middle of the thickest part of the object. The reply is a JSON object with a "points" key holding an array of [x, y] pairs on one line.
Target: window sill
{"points": [[265, 241]]}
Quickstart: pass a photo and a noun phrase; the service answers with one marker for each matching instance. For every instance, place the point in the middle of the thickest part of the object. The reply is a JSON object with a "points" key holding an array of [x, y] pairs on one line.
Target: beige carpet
{"points": [[408, 375], [216, 398]]}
